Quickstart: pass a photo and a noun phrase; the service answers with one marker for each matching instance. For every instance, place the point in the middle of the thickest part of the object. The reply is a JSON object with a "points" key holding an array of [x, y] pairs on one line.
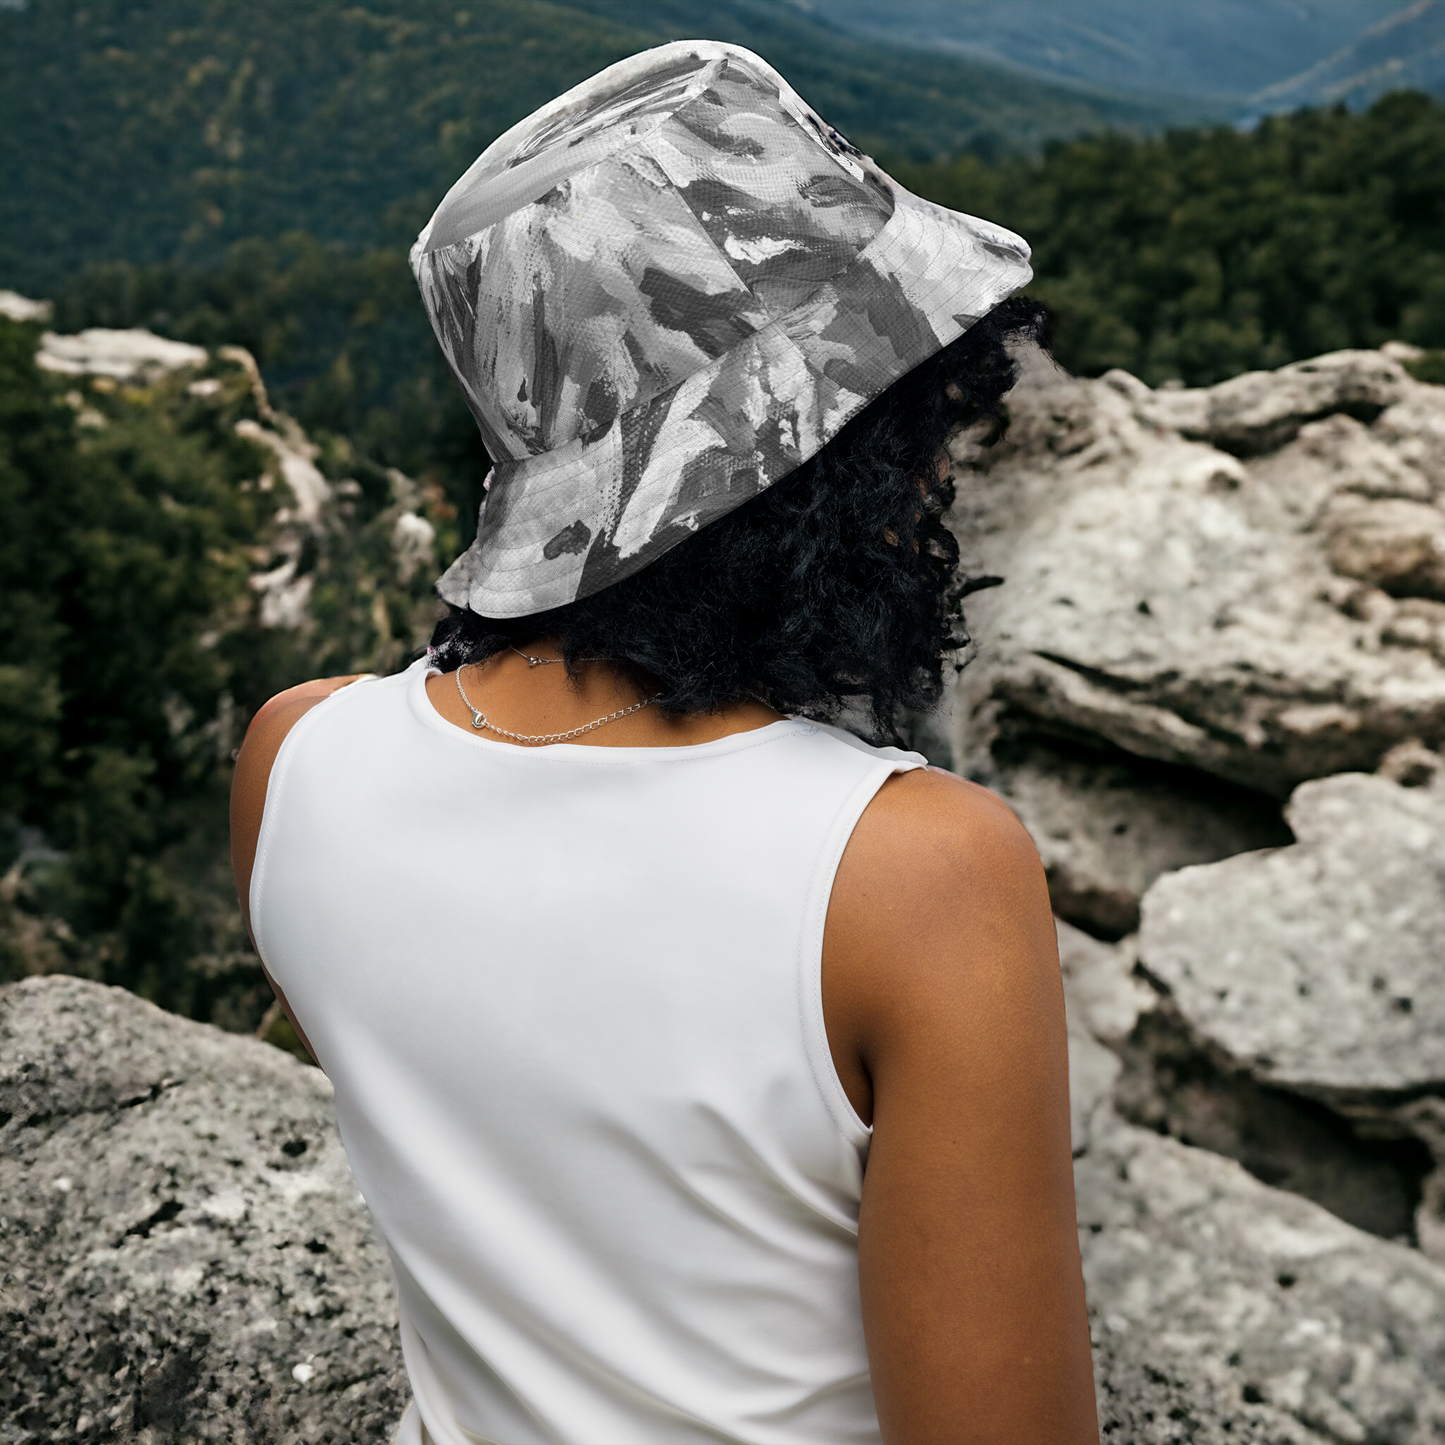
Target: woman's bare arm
{"points": [[945, 1012], [263, 741]]}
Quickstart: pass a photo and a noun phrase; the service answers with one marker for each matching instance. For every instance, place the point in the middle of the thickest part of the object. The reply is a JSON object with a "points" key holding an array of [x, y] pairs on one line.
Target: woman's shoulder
{"points": [[926, 827], [275, 718], [284, 710], [936, 860]]}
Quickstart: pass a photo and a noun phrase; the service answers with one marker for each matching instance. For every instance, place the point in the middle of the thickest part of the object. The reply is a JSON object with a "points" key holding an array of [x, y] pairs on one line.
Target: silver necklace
{"points": [[479, 718], [534, 661]]}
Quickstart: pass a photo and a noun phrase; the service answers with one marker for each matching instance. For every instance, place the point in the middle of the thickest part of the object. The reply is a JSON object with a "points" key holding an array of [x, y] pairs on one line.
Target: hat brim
{"points": [[560, 526]]}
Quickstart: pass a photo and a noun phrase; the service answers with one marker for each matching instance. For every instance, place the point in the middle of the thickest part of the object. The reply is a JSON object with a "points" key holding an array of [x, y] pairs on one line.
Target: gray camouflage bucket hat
{"points": [[663, 292]]}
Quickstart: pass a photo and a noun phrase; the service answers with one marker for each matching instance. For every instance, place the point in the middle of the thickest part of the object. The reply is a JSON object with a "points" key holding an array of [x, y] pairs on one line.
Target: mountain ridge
{"points": [[1232, 55], [1404, 49], [160, 129]]}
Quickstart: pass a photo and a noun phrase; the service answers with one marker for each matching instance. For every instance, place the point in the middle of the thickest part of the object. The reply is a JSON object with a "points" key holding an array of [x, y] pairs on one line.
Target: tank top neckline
{"points": [[425, 712]]}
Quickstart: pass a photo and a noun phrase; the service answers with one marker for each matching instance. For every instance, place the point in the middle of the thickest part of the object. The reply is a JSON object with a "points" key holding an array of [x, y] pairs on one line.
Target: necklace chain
{"points": [[480, 720], [535, 661]]}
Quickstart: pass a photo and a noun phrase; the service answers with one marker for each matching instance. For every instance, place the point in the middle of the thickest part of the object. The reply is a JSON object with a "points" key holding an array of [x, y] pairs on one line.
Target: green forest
{"points": [[245, 173], [1194, 255], [152, 130], [1202, 253], [134, 518]]}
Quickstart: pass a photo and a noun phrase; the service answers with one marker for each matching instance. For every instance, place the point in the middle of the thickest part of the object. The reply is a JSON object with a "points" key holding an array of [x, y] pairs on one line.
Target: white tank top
{"points": [[570, 1001]]}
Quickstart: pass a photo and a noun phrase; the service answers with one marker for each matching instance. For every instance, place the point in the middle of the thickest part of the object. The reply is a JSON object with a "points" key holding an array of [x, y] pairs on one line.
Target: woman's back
{"points": [[598, 1016], [570, 999]]}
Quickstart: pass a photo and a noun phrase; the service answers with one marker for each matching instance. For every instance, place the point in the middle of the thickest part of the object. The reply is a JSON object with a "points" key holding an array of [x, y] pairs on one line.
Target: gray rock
{"points": [[176, 1267], [1103, 994], [123, 355], [1175, 1083], [1397, 545], [1417, 622], [1261, 410], [1411, 764], [1415, 428], [1223, 1310], [1226, 1311], [1103, 1001], [1339, 455], [1318, 967], [16, 307], [1168, 599], [1106, 827], [183, 1253]]}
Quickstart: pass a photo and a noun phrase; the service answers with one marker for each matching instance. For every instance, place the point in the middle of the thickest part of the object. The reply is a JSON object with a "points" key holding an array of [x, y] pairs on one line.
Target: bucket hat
{"points": [[663, 292]]}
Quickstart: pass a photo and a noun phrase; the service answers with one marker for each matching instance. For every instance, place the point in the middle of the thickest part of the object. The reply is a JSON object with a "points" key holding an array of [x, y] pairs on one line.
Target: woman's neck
{"points": [[538, 698]]}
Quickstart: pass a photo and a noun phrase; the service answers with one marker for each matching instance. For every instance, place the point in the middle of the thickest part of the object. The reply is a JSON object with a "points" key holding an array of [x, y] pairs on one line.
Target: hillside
{"points": [[172, 552], [157, 129], [1195, 256], [1405, 48], [1244, 57]]}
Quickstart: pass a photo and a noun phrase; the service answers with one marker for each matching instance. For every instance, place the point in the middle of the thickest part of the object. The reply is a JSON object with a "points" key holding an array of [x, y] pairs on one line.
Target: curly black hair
{"points": [[836, 588]]}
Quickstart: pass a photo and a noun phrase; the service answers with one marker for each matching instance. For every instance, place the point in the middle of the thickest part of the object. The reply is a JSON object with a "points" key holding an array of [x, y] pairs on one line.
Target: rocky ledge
{"points": [[1207, 598], [183, 1253], [1224, 1309], [1210, 677]]}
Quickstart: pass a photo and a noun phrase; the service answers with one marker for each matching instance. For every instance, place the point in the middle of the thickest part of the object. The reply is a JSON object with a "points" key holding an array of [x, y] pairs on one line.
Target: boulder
{"points": [[1176, 1083], [1103, 1000], [1316, 970], [183, 1252], [1417, 622], [1104, 994], [1261, 410], [1223, 1310], [1317, 967], [1396, 544], [131, 355], [1227, 1311], [15, 307], [1260, 615], [1107, 825], [1415, 429]]}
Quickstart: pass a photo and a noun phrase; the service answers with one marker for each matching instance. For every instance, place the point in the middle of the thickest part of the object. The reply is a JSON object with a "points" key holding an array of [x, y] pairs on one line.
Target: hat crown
{"points": [[662, 293], [630, 233]]}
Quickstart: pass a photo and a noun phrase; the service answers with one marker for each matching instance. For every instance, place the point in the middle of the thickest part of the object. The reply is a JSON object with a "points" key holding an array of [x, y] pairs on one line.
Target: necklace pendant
{"points": [[479, 718]]}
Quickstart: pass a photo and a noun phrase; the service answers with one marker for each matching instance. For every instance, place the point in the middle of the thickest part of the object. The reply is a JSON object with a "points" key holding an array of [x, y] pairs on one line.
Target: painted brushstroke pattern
{"points": [[669, 330]]}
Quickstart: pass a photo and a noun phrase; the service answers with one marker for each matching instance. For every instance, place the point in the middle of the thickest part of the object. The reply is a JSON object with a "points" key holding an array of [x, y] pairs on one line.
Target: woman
{"points": [[623, 967]]}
